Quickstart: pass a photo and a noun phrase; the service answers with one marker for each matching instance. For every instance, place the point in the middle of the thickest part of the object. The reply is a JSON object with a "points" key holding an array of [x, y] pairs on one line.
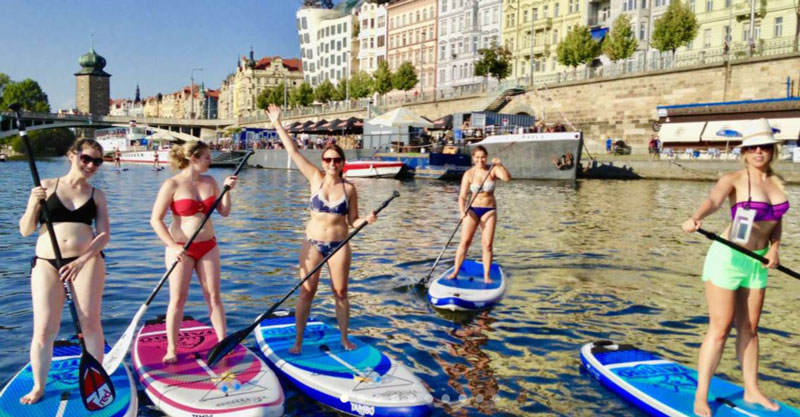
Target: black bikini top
{"points": [[60, 214]]}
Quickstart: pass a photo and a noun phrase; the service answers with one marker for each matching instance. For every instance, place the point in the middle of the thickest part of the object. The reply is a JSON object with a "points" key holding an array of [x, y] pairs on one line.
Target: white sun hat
{"points": [[757, 132]]}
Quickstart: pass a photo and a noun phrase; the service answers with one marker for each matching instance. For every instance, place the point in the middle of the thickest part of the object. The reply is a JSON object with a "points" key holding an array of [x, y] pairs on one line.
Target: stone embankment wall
{"points": [[608, 167]]}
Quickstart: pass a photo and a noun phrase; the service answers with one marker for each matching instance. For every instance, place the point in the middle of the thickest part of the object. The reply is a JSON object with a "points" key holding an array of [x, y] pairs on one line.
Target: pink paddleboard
{"points": [[239, 385]]}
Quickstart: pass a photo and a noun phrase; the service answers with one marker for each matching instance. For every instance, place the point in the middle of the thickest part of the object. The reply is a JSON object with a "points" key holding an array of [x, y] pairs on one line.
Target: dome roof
{"points": [[92, 63]]}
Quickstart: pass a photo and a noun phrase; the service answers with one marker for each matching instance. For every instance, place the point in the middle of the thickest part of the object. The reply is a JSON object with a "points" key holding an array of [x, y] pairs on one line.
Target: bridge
{"points": [[185, 129]]}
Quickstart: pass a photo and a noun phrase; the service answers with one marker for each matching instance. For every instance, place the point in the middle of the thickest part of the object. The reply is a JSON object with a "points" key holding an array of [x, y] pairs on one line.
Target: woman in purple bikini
{"points": [[735, 283], [483, 211], [334, 209]]}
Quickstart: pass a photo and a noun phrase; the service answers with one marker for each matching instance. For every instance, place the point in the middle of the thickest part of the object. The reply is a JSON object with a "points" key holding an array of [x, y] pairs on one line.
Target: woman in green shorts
{"points": [[735, 283]]}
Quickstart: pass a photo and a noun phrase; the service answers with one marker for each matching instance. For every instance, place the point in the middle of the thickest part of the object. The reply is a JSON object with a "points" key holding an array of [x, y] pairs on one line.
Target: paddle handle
{"points": [[197, 231], [460, 220], [746, 251]]}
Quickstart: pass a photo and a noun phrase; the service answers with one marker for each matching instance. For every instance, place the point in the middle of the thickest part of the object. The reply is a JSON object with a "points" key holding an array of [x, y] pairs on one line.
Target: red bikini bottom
{"points": [[199, 249]]}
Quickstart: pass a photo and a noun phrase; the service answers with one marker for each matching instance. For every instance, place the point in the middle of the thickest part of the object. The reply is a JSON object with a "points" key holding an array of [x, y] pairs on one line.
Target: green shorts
{"points": [[730, 269]]}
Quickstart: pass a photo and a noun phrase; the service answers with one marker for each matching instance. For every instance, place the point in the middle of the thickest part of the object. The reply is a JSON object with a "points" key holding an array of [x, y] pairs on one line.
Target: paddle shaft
{"points": [[746, 251], [196, 232], [217, 352], [461, 220]]}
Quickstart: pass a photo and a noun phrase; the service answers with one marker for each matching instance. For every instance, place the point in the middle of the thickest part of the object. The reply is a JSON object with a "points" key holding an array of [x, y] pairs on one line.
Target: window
{"points": [[381, 21], [474, 44], [425, 14], [642, 30], [778, 31], [555, 37], [444, 6], [691, 4], [391, 23], [570, 7], [306, 38], [726, 35], [404, 20], [644, 4], [344, 42], [707, 38], [709, 5], [418, 16], [525, 16], [305, 23], [496, 15], [469, 21], [381, 41], [555, 9], [442, 76], [544, 12], [727, 4], [577, 5], [624, 6]]}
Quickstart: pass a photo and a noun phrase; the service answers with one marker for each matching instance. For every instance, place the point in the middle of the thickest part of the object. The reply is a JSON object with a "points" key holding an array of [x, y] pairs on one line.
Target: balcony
{"points": [[543, 24]]}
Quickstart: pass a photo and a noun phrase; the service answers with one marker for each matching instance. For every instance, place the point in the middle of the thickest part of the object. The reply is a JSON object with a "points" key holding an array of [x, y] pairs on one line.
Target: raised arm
{"points": [[719, 193], [309, 170]]}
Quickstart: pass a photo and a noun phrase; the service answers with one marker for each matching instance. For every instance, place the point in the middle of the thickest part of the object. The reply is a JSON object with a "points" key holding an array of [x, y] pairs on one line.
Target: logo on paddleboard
{"points": [[362, 409]]}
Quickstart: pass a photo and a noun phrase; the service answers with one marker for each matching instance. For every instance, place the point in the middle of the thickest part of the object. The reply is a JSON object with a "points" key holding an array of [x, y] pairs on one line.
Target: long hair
{"points": [[771, 174], [81, 144], [339, 151], [180, 155]]}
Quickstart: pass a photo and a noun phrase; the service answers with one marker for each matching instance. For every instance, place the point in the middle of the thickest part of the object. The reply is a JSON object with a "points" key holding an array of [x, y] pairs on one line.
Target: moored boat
{"points": [[547, 156], [135, 144], [372, 169]]}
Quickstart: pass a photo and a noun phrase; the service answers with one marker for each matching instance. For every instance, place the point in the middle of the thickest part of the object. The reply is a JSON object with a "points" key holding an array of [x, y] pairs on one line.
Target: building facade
{"points": [[465, 26], [413, 38], [326, 38], [239, 91], [92, 85], [371, 36]]}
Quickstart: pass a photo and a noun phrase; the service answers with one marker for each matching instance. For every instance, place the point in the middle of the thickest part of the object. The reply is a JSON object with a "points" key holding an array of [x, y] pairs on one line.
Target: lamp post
{"points": [[191, 92], [750, 42]]}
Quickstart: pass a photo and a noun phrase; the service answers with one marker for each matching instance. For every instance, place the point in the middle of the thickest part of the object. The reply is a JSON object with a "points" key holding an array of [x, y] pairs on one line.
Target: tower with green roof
{"points": [[92, 91]]}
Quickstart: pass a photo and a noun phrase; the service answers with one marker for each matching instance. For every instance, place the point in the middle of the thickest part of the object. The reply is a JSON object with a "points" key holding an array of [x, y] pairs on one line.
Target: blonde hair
{"points": [[180, 155], [771, 174]]}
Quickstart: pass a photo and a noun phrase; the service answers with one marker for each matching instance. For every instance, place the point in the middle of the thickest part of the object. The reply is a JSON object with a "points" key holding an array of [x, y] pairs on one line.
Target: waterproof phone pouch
{"points": [[742, 225]]}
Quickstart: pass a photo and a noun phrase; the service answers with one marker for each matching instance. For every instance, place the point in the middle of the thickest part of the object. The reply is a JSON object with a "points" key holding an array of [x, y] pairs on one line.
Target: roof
{"points": [[292, 64]]}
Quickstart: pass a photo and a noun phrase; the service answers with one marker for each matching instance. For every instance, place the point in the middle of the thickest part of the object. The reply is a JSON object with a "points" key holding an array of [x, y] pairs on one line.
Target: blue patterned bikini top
{"points": [[321, 205]]}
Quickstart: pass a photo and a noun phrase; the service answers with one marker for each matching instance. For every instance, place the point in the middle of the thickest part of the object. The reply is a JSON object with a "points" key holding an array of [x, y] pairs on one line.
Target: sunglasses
{"points": [[86, 159], [764, 148], [335, 160]]}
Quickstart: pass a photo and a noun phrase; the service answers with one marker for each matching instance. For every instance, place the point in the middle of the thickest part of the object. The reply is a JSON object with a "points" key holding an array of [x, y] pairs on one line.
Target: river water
{"points": [[588, 260]]}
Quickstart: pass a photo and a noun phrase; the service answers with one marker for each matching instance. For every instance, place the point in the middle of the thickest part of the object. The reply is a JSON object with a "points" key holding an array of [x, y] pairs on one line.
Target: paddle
{"points": [[229, 343], [117, 354], [746, 251], [97, 390], [425, 279]]}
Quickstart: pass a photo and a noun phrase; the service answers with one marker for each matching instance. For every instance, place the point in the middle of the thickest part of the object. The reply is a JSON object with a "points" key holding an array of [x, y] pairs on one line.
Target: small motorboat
{"points": [[372, 169], [3, 157]]}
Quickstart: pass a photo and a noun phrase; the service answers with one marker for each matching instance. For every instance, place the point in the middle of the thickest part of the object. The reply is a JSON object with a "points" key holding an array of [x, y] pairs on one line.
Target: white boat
{"points": [[372, 169], [545, 156], [136, 145]]}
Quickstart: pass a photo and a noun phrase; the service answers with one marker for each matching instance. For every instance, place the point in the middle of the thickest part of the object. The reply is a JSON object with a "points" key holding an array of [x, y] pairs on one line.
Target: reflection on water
{"points": [[586, 261]]}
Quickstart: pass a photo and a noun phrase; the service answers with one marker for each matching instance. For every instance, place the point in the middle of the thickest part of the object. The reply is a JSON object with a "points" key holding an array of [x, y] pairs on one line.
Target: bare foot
{"points": [[32, 397], [701, 408], [170, 357], [454, 275], [296, 349], [758, 398], [348, 345], [487, 280]]}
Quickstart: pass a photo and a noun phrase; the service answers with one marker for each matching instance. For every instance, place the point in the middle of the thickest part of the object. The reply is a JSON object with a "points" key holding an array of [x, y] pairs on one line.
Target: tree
{"points": [[340, 93], [495, 62], [360, 85], [675, 28], [271, 95], [48, 141], [383, 78], [620, 43], [324, 92], [405, 78], [4, 80], [577, 47], [27, 93], [302, 96]]}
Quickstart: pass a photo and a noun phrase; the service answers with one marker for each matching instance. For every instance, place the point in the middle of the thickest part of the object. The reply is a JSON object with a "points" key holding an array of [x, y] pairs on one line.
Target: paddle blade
{"points": [[117, 354], [227, 345], [97, 390]]}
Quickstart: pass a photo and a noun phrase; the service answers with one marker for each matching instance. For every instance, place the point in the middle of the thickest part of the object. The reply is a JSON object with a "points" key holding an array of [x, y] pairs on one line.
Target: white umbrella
{"points": [[400, 117]]}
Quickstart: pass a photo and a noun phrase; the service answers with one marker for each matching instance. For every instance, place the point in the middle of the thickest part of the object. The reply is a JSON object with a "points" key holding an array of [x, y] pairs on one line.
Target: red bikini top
{"points": [[187, 207]]}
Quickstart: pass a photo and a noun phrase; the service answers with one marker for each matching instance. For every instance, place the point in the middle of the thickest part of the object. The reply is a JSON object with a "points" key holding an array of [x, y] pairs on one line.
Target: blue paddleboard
{"points": [[360, 382], [469, 291], [665, 388], [62, 397]]}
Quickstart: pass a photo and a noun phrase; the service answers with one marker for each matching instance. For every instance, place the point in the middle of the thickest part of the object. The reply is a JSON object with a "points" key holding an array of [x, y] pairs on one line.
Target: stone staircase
{"points": [[503, 98]]}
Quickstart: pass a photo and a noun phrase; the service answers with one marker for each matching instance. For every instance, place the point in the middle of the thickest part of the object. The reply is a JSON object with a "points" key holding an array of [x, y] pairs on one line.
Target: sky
{"points": [[153, 43]]}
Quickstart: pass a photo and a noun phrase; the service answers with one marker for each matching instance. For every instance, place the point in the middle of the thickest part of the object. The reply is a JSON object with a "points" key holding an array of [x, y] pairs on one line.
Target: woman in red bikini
{"points": [[190, 195]]}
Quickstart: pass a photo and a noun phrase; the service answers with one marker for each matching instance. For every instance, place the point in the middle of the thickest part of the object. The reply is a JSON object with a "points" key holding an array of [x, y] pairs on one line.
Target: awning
{"points": [[789, 128], [724, 130], [681, 132], [599, 33]]}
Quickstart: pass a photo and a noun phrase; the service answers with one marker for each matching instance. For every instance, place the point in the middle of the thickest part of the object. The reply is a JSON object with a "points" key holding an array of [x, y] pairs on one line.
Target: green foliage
{"points": [[383, 78], [675, 28], [577, 47], [360, 85], [302, 96], [46, 142], [340, 93], [27, 93], [621, 42], [271, 95], [324, 92], [405, 78], [495, 62], [4, 80]]}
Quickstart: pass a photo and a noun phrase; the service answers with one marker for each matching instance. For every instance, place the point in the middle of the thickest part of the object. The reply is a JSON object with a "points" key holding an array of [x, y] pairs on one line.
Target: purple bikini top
{"points": [[765, 212]]}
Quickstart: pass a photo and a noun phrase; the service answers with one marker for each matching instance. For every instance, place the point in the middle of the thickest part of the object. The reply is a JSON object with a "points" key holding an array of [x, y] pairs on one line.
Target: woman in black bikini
{"points": [[73, 204]]}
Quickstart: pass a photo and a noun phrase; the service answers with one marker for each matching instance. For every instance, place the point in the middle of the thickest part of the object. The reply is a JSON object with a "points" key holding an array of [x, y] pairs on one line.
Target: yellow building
{"points": [[533, 28], [412, 38]]}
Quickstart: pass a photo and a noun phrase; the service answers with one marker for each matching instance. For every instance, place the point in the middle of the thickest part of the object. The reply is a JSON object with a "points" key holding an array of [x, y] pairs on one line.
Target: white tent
{"points": [[400, 117], [392, 126]]}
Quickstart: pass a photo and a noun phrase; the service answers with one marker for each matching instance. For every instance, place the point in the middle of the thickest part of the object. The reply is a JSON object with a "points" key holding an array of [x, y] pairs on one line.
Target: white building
{"points": [[325, 43], [465, 26], [371, 36]]}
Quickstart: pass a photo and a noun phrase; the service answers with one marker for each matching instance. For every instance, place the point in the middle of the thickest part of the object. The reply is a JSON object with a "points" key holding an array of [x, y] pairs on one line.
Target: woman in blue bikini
{"points": [[483, 211], [334, 208]]}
